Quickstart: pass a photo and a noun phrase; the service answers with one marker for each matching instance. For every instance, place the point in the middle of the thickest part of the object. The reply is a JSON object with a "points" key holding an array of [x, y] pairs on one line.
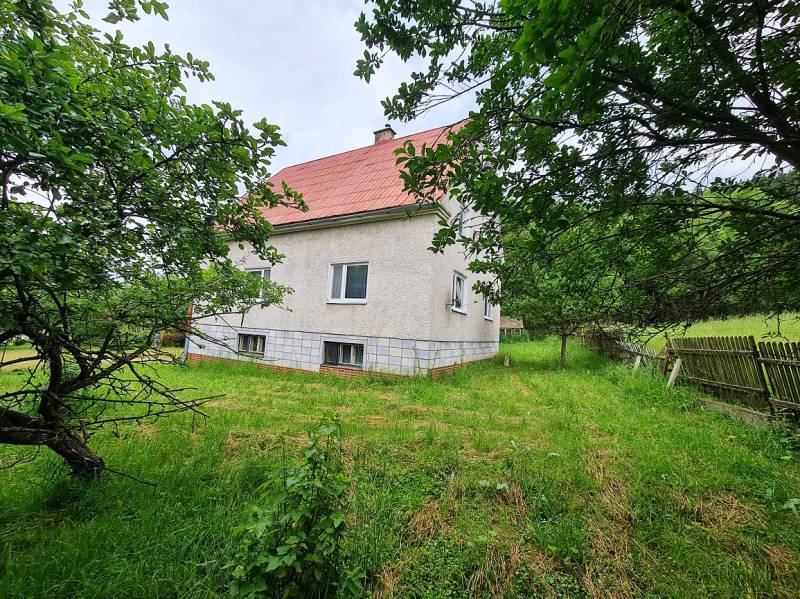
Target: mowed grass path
{"points": [[528, 481]]}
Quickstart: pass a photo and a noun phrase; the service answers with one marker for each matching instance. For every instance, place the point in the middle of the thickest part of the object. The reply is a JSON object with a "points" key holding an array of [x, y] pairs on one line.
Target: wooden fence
{"points": [[781, 362], [641, 355], [763, 376], [725, 366]]}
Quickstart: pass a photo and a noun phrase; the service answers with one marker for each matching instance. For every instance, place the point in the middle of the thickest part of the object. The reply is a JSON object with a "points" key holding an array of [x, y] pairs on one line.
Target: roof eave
{"points": [[410, 210]]}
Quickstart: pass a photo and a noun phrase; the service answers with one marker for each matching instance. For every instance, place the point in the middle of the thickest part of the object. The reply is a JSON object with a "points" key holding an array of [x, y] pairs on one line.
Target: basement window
{"points": [[252, 345], [348, 283], [344, 354]]}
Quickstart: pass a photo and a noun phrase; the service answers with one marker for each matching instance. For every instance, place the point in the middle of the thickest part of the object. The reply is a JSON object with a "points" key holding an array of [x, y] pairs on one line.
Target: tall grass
{"points": [[760, 326], [527, 481]]}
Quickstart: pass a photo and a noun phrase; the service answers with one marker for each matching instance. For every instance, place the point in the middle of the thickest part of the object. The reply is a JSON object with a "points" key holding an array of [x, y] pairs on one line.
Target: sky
{"points": [[289, 61], [292, 63]]}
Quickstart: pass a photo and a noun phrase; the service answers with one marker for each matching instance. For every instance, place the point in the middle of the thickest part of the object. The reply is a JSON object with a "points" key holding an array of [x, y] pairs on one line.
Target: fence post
{"points": [[760, 374], [667, 354], [636, 363], [674, 374]]}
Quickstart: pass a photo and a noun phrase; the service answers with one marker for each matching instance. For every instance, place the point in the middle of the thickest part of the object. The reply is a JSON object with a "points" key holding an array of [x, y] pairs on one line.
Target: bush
{"points": [[520, 336], [172, 339], [291, 548]]}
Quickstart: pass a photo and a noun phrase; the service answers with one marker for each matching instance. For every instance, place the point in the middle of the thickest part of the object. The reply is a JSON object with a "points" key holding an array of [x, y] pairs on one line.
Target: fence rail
{"points": [[726, 366], [763, 376], [781, 362]]}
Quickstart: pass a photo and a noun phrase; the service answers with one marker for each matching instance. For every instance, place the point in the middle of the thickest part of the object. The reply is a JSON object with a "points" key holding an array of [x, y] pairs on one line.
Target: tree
{"points": [[559, 296], [119, 198], [616, 113]]}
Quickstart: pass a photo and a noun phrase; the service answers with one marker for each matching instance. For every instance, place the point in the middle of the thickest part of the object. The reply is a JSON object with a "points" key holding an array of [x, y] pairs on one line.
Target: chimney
{"points": [[385, 134]]}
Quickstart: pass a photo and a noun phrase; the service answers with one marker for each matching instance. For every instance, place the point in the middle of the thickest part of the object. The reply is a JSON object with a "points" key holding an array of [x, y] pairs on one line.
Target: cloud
{"points": [[291, 62]]}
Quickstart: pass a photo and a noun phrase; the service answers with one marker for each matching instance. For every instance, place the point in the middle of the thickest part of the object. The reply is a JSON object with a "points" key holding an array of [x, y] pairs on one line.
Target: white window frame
{"points": [[463, 308], [352, 347], [462, 222], [488, 312], [250, 354], [265, 273], [340, 344], [342, 299]]}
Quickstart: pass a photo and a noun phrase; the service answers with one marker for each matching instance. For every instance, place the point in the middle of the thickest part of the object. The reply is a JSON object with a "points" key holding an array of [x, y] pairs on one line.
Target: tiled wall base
{"points": [[339, 371], [298, 350]]}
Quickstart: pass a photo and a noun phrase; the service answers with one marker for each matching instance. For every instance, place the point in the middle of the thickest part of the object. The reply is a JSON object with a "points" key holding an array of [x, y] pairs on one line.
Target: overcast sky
{"points": [[289, 61], [292, 62]]}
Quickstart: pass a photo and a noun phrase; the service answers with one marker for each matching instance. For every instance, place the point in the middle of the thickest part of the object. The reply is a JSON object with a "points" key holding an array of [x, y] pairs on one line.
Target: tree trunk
{"points": [[563, 349], [18, 428], [82, 461]]}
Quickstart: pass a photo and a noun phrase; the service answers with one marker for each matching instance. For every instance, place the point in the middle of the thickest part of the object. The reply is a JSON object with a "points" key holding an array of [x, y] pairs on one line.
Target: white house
{"points": [[368, 294]]}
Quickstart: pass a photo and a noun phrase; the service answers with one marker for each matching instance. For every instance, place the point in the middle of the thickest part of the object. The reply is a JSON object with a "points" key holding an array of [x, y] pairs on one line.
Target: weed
{"points": [[291, 548]]}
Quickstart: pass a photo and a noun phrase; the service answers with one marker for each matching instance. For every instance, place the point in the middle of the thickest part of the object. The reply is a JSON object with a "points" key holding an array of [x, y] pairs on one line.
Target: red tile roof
{"points": [[356, 181]]}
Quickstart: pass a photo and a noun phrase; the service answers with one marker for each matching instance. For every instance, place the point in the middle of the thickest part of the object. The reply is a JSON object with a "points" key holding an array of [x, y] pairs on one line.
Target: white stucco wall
{"points": [[398, 282], [407, 324], [445, 322]]}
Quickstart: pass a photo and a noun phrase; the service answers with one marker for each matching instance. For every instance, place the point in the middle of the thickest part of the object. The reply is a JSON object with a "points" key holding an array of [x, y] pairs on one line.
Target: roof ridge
{"points": [[450, 126]]}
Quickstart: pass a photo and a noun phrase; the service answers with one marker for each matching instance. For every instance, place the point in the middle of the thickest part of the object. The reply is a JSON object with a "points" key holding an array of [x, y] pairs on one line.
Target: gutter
{"points": [[410, 210]]}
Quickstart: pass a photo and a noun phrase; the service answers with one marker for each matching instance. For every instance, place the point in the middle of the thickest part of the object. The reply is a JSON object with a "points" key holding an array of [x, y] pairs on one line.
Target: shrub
{"points": [[291, 548], [172, 339]]}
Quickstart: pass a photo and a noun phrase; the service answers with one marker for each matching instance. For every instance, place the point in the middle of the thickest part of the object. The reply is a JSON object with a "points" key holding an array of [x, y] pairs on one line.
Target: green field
{"points": [[760, 326], [528, 481], [15, 352]]}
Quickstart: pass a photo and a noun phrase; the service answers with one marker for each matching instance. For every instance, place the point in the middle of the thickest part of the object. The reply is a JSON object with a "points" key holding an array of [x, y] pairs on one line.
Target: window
{"points": [[252, 345], [462, 221], [348, 283], [487, 308], [344, 354], [261, 273], [459, 289]]}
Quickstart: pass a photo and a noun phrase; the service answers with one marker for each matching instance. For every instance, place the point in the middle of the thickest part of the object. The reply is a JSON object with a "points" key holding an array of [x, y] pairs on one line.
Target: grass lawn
{"points": [[15, 352], [760, 326], [528, 481]]}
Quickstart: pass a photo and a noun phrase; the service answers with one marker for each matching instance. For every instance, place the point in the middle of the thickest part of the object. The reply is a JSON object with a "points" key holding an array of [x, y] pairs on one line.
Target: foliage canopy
{"points": [[119, 198], [627, 114]]}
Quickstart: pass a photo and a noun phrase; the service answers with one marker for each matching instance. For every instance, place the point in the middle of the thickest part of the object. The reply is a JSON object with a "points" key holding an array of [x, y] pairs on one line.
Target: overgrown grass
{"points": [[526, 481], [760, 326]]}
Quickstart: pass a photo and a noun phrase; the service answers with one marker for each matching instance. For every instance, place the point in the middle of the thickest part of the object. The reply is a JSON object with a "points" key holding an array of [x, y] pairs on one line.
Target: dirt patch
{"points": [[608, 572]]}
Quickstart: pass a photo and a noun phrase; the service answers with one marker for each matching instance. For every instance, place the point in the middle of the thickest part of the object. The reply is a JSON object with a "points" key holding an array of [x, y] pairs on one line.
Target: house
{"points": [[368, 294], [511, 326]]}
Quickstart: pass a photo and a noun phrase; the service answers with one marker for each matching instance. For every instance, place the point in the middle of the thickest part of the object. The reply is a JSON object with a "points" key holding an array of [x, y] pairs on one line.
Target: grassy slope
{"points": [[610, 486], [760, 326]]}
